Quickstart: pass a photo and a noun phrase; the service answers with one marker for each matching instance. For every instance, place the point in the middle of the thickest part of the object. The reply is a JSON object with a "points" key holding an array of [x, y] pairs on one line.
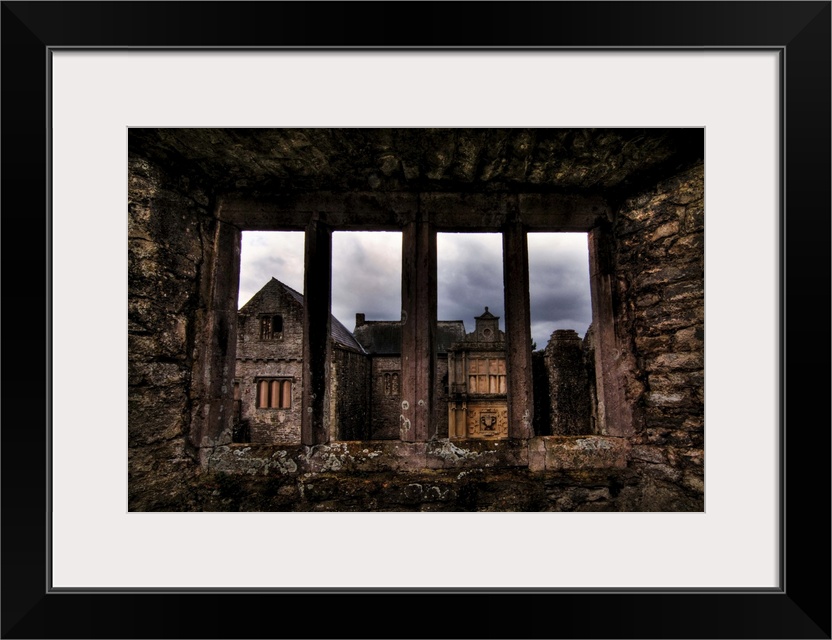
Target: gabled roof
{"points": [[340, 334]]}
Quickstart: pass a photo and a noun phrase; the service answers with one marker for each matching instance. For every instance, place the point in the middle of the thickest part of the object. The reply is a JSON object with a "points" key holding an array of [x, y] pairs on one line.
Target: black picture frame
{"points": [[800, 31]]}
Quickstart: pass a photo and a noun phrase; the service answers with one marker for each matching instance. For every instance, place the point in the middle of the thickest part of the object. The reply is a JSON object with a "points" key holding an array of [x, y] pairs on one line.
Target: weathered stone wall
{"points": [[543, 474], [494, 490], [386, 409], [350, 394], [177, 389], [660, 288], [170, 231], [275, 426]]}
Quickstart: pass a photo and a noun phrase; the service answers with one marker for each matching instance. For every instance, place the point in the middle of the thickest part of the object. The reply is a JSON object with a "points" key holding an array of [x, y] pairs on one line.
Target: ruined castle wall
{"points": [[542, 402], [659, 256], [350, 394], [386, 402], [170, 232], [569, 395]]}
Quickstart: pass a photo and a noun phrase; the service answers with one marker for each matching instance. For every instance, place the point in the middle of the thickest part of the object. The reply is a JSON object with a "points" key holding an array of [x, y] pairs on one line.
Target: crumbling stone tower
{"points": [[569, 388]]}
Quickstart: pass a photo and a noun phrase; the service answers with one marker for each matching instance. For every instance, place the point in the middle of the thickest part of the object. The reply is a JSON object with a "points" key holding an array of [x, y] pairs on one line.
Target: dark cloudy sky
{"points": [[366, 276]]}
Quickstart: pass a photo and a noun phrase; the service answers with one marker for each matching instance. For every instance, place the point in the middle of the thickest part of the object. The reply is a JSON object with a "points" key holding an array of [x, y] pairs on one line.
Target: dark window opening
{"points": [[271, 327]]}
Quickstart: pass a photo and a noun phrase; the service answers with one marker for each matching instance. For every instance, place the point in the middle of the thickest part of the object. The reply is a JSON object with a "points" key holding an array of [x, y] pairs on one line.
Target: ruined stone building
{"points": [[382, 341], [268, 387], [366, 377], [477, 420], [477, 406]]}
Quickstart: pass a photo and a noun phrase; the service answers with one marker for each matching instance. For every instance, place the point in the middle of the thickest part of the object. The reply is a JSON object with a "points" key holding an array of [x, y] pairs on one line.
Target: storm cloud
{"points": [[270, 254], [469, 276], [558, 284], [366, 276]]}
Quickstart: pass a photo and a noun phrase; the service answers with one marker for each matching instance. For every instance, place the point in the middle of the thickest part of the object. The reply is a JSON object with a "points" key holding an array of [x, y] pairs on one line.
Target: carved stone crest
{"points": [[488, 421]]}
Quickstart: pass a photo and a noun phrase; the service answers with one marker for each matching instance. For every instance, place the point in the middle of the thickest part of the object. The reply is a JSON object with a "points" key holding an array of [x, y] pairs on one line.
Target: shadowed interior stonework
{"points": [[611, 422]]}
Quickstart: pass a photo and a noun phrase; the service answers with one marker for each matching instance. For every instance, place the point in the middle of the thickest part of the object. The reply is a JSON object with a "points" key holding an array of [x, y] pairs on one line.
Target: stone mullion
{"points": [[418, 330], [317, 348], [218, 344], [518, 332], [615, 415]]}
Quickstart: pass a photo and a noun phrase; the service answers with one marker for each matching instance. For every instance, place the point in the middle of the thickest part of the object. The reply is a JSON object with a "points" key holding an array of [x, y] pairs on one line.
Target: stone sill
{"points": [[543, 453]]}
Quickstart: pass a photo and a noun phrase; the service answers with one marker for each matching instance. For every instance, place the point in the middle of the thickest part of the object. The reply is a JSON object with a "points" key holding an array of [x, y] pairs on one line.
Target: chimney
{"points": [[359, 319]]}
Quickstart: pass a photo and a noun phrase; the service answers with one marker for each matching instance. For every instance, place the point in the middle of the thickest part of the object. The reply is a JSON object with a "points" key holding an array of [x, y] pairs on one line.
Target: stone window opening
{"points": [[274, 393], [486, 376], [271, 327], [561, 314], [390, 383], [419, 303]]}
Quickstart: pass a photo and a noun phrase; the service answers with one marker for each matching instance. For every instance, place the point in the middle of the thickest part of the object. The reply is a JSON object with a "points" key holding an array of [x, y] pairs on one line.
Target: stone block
{"points": [[693, 244], [648, 454], [665, 230], [250, 459], [468, 454], [661, 275], [694, 218], [647, 300], [652, 344], [537, 454], [694, 482], [689, 339], [363, 456], [662, 472], [585, 452], [676, 361], [685, 291], [662, 399]]}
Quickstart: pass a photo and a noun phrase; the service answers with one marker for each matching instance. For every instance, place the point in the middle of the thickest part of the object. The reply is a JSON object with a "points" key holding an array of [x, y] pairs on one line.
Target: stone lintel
{"points": [[470, 212], [344, 211], [451, 211], [561, 212]]}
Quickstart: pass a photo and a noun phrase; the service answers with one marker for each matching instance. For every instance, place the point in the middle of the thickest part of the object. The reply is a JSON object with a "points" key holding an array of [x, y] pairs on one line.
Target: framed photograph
{"points": [[661, 508]]}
